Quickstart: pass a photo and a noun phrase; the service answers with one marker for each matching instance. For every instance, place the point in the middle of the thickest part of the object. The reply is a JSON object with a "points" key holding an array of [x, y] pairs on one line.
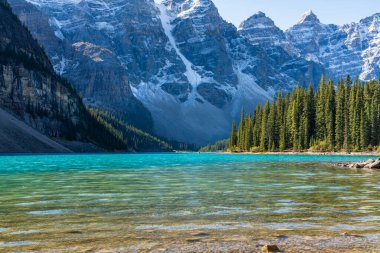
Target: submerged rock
{"points": [[192, 240], [200, 234], [352, 235], [270, 248]]}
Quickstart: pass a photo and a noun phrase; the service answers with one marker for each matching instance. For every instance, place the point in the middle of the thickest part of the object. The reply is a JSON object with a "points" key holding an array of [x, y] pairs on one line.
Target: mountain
{"points": [[79, 49], [31, 91], [260, 30], [178, 68], [37, 105], [348, 49]]}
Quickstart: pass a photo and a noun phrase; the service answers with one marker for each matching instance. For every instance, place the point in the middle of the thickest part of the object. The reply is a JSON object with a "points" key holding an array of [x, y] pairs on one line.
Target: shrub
{"points": [[255, 149], [321, 146]]}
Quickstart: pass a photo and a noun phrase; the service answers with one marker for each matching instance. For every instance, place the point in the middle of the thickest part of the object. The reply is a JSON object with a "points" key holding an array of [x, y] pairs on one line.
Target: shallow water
{"points": [[192, 202]]}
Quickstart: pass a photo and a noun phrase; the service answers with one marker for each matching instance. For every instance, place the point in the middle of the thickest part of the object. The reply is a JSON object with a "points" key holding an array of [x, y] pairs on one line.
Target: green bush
{"points": [[255, 150], [234, 149], [321, 146]]}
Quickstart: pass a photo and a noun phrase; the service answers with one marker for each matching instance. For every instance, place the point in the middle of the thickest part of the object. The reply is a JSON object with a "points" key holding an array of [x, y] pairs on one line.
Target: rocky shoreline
{"points": [[369, 164]]}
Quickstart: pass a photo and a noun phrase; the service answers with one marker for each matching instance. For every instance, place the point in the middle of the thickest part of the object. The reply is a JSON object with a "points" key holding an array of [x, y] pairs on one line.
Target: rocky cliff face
{"points": [[38, 98], [31, 90], [28, 85], [83, 50], [191, 69]]}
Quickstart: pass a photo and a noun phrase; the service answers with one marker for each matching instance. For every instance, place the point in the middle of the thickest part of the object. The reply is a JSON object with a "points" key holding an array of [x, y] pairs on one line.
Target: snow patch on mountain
{"points": [[192, 76], [105, 26], [192, 116]]}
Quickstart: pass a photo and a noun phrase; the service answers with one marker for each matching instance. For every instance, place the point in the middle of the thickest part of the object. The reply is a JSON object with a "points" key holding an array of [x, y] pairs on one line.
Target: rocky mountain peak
{"points": [[309, 17], [185, 7], [260, 29], [373, 22], [257, 21]]}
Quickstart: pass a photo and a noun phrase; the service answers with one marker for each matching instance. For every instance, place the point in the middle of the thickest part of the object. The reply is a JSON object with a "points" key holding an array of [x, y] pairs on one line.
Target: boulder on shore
{"points": [[370, 164], [270, 248], [373, 165]]}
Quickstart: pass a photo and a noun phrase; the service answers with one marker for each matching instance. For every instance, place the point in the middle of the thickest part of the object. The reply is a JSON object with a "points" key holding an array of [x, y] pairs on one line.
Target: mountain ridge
{"points": [[189, 67]]}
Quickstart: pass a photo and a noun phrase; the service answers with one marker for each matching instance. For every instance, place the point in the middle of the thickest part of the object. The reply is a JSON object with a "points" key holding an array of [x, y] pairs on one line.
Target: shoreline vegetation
{"points": [[338, 153], [334, 119]]}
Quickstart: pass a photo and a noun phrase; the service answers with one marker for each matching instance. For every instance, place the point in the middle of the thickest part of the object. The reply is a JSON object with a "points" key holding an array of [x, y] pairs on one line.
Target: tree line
{"points": [[343, 116], [221, 145], [132, 139]]}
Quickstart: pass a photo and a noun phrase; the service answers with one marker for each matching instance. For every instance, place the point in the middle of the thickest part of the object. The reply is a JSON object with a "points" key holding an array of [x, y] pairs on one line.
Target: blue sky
{"points": [[286, 13]]}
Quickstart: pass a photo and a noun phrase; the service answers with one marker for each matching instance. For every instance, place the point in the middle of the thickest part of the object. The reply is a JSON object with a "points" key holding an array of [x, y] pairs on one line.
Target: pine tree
{"points": [[330, 114], [240, 134], [233, 136], [295, 111], [347, 104], [264, 128], [321, 110], [308, 116], [272, 128], [353, 115], [356, 101], [248, 133], [281, 107], [340, 115], [362, 130], [257, 120]]}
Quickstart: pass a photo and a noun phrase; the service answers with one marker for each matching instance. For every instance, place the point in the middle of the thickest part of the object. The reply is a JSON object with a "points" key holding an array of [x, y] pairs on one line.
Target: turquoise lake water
{"points": [[136, 202]]}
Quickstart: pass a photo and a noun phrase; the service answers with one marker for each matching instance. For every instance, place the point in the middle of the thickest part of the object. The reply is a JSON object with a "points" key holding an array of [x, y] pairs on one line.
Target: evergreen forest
{"points": [[342, 116]]}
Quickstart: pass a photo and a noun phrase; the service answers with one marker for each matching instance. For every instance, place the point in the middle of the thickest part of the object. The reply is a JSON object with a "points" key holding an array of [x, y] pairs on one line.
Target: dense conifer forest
{"points": [[336, 117], [218, 146], [134, 139]]}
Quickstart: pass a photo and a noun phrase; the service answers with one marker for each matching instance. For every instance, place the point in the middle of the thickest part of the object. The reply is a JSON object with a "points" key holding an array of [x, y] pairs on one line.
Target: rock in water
{"points": [[375, 165], [369, 164], [193, 240], [270, 248]]}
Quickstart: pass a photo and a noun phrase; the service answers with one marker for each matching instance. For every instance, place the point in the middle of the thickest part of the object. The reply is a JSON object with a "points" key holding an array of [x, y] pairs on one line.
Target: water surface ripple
{"points": [[133, 202]]}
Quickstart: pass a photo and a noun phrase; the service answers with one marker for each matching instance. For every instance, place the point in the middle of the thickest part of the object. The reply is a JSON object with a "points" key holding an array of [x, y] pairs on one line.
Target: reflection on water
{"points": [[126, 203]]}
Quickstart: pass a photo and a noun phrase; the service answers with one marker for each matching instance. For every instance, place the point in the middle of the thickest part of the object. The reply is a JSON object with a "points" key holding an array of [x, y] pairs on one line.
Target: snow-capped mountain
{"points": [[261, 31], [349, 49], [190, 68]]}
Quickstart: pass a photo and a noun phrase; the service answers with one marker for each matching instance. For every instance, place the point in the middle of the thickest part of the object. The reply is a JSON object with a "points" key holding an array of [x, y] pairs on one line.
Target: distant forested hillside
{"points": [[218, 146]]}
